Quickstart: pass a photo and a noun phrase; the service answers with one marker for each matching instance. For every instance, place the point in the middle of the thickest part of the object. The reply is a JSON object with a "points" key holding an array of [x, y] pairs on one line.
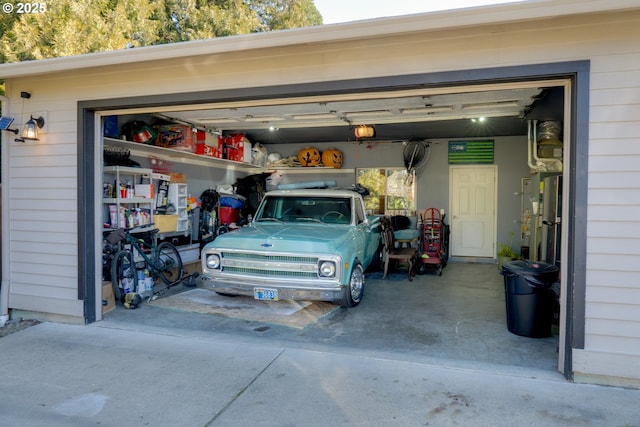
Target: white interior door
{"points": [[472, 194]]}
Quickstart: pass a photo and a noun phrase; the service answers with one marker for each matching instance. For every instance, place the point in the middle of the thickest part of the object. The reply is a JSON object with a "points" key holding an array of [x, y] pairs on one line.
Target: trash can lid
{"points": [[528, 268]]}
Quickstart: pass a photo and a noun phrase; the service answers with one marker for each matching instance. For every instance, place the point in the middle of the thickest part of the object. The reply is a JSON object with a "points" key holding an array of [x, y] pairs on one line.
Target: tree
{"points": [[72, 27]]}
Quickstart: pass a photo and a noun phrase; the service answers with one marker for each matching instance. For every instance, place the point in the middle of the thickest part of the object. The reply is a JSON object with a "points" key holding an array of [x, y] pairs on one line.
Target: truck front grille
{"points": [[289, 266]]}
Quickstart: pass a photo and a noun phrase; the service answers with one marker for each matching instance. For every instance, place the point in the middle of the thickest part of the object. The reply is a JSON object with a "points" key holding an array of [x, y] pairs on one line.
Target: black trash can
{"points": [[528, 297]]}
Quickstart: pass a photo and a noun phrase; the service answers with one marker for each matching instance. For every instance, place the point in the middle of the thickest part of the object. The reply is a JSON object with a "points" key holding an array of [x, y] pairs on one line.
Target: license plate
{"points": [[265, 294]]}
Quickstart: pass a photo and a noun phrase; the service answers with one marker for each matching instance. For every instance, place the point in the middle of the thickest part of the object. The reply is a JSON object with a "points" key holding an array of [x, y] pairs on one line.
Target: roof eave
{"points": [[451, 19]]}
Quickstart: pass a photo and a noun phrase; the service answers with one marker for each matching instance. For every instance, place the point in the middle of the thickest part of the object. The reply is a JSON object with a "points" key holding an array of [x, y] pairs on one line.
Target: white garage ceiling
{"points": [[395, 115]]}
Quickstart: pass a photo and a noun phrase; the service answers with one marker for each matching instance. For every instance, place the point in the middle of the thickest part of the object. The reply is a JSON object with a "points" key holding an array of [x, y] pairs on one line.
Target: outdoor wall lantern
{"points": [[30, 132]]}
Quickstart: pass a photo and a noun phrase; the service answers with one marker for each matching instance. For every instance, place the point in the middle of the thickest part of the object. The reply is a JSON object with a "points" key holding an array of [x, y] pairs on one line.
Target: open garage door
{"points": [[441, 113]]}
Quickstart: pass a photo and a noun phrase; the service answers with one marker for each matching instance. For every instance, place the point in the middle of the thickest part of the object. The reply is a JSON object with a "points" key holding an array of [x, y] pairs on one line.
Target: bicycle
{"points": [[162, 260]]}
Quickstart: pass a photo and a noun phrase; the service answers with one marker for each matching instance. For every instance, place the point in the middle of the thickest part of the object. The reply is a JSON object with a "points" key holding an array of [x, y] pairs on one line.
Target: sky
{"points": [[334, 11]]}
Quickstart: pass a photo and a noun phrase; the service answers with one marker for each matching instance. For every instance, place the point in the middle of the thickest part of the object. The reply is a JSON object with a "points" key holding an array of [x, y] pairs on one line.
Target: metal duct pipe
{"points": [[534, 162]]}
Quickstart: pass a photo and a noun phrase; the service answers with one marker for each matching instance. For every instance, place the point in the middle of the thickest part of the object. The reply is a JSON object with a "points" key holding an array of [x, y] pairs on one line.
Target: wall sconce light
{"points": [[365, 131], [30, 132]]}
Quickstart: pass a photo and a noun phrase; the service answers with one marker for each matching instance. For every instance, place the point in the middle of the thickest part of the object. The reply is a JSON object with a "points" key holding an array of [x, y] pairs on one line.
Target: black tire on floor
{"points": [[123, 269], [355, 288]]}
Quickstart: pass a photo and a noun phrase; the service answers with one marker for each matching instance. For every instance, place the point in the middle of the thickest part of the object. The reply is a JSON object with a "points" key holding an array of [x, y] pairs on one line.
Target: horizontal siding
{"points": [[610, 215], [614, 345], [608, 231], [59, 306], [612, 310], [625, 179], [611, 262], [60, 290], [624, 327], [608, 364], [619, 197], [42, 194], [610, 293], [624, 245], [622, 279], [624, 312]]}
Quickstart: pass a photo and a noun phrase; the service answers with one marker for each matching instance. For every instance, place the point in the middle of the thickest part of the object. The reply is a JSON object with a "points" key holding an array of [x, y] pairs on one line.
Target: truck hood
{"points": [[299, 238]]}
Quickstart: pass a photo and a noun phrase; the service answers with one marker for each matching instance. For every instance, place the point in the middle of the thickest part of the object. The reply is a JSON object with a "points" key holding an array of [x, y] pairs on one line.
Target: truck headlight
{"points": [[213, 261], [327, 269]]}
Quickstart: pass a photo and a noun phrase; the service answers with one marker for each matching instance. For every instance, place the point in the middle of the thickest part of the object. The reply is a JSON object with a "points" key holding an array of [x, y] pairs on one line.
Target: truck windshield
{"points": [[329, 210]]}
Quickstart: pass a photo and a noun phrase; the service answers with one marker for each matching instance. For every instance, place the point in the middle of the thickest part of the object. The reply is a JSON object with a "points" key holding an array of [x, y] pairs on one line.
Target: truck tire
{"points": [[355, 288]]}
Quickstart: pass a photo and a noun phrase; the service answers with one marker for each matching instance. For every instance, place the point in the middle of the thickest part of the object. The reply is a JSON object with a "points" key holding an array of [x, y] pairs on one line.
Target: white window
{"points": [[391, 190]]}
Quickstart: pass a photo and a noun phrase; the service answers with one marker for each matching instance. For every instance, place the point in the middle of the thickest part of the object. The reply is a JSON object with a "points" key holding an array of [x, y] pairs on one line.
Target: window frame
{"points": [[384, 171]]}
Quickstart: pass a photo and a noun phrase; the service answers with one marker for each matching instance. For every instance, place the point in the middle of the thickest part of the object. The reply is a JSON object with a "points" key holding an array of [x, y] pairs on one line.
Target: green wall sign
{"points": [[470, 152]]}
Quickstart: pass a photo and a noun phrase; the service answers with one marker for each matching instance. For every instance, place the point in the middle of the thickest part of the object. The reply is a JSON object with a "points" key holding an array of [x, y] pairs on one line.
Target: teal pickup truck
{"points": [[301, 245]]}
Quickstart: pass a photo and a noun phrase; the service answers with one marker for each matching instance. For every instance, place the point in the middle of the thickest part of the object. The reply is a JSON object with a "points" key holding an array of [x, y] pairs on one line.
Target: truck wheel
{"points": [[355, 289]]}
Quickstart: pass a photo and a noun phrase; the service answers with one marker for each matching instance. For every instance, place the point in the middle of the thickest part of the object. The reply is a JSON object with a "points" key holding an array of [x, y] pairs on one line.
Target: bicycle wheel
{"points": [[168, 263], [123, 274]]}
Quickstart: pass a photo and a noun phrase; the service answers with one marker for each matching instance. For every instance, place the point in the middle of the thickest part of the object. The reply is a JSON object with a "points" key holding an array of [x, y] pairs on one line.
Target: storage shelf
{"points": [[125, 200], [309, 170], [169, 154], [177, 156], [118, 173]]}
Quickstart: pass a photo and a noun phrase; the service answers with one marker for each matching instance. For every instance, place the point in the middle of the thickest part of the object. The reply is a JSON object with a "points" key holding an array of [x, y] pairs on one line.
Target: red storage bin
{"points": [[228, 215]]}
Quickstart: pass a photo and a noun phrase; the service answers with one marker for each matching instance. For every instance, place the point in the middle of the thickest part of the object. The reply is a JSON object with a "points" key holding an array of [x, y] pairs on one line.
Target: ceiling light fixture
{"points": [[365, 131], [479, 120]]}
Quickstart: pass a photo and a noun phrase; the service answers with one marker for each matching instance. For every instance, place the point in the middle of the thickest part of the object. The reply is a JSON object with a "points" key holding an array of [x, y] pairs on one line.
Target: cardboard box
{"points": [[238, 148], [200, 136], [108, 300], [209, 145], [177, 137], [207, 150], [166, 223]]}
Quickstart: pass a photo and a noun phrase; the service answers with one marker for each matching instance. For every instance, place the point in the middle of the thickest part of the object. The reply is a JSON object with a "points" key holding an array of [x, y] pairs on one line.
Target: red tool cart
{"points": [[434, 236]]}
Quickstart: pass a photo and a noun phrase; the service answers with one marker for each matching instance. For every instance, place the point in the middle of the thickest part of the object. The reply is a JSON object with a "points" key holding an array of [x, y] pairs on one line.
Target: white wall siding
{"points": [[612, 311], [42, 193]]}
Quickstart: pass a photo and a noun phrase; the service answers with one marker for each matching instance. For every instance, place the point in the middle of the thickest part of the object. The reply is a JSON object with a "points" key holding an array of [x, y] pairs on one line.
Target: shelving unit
{"points": [[114, 177], [310, 170], [178, 197], [177, 156], [143, 150]]}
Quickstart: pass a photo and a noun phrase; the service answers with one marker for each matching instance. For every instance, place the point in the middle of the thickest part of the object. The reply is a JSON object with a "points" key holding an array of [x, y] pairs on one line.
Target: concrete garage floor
{"points": [[457, 319]]}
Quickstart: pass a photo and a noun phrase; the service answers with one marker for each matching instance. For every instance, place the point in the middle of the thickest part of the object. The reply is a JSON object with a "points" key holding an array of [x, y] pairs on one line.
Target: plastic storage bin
{"points": [[528, 297]]}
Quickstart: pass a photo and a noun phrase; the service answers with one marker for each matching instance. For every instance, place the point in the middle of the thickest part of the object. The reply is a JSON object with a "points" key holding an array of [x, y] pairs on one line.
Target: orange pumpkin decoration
{"points": [[332, 158], [309, 156]]}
